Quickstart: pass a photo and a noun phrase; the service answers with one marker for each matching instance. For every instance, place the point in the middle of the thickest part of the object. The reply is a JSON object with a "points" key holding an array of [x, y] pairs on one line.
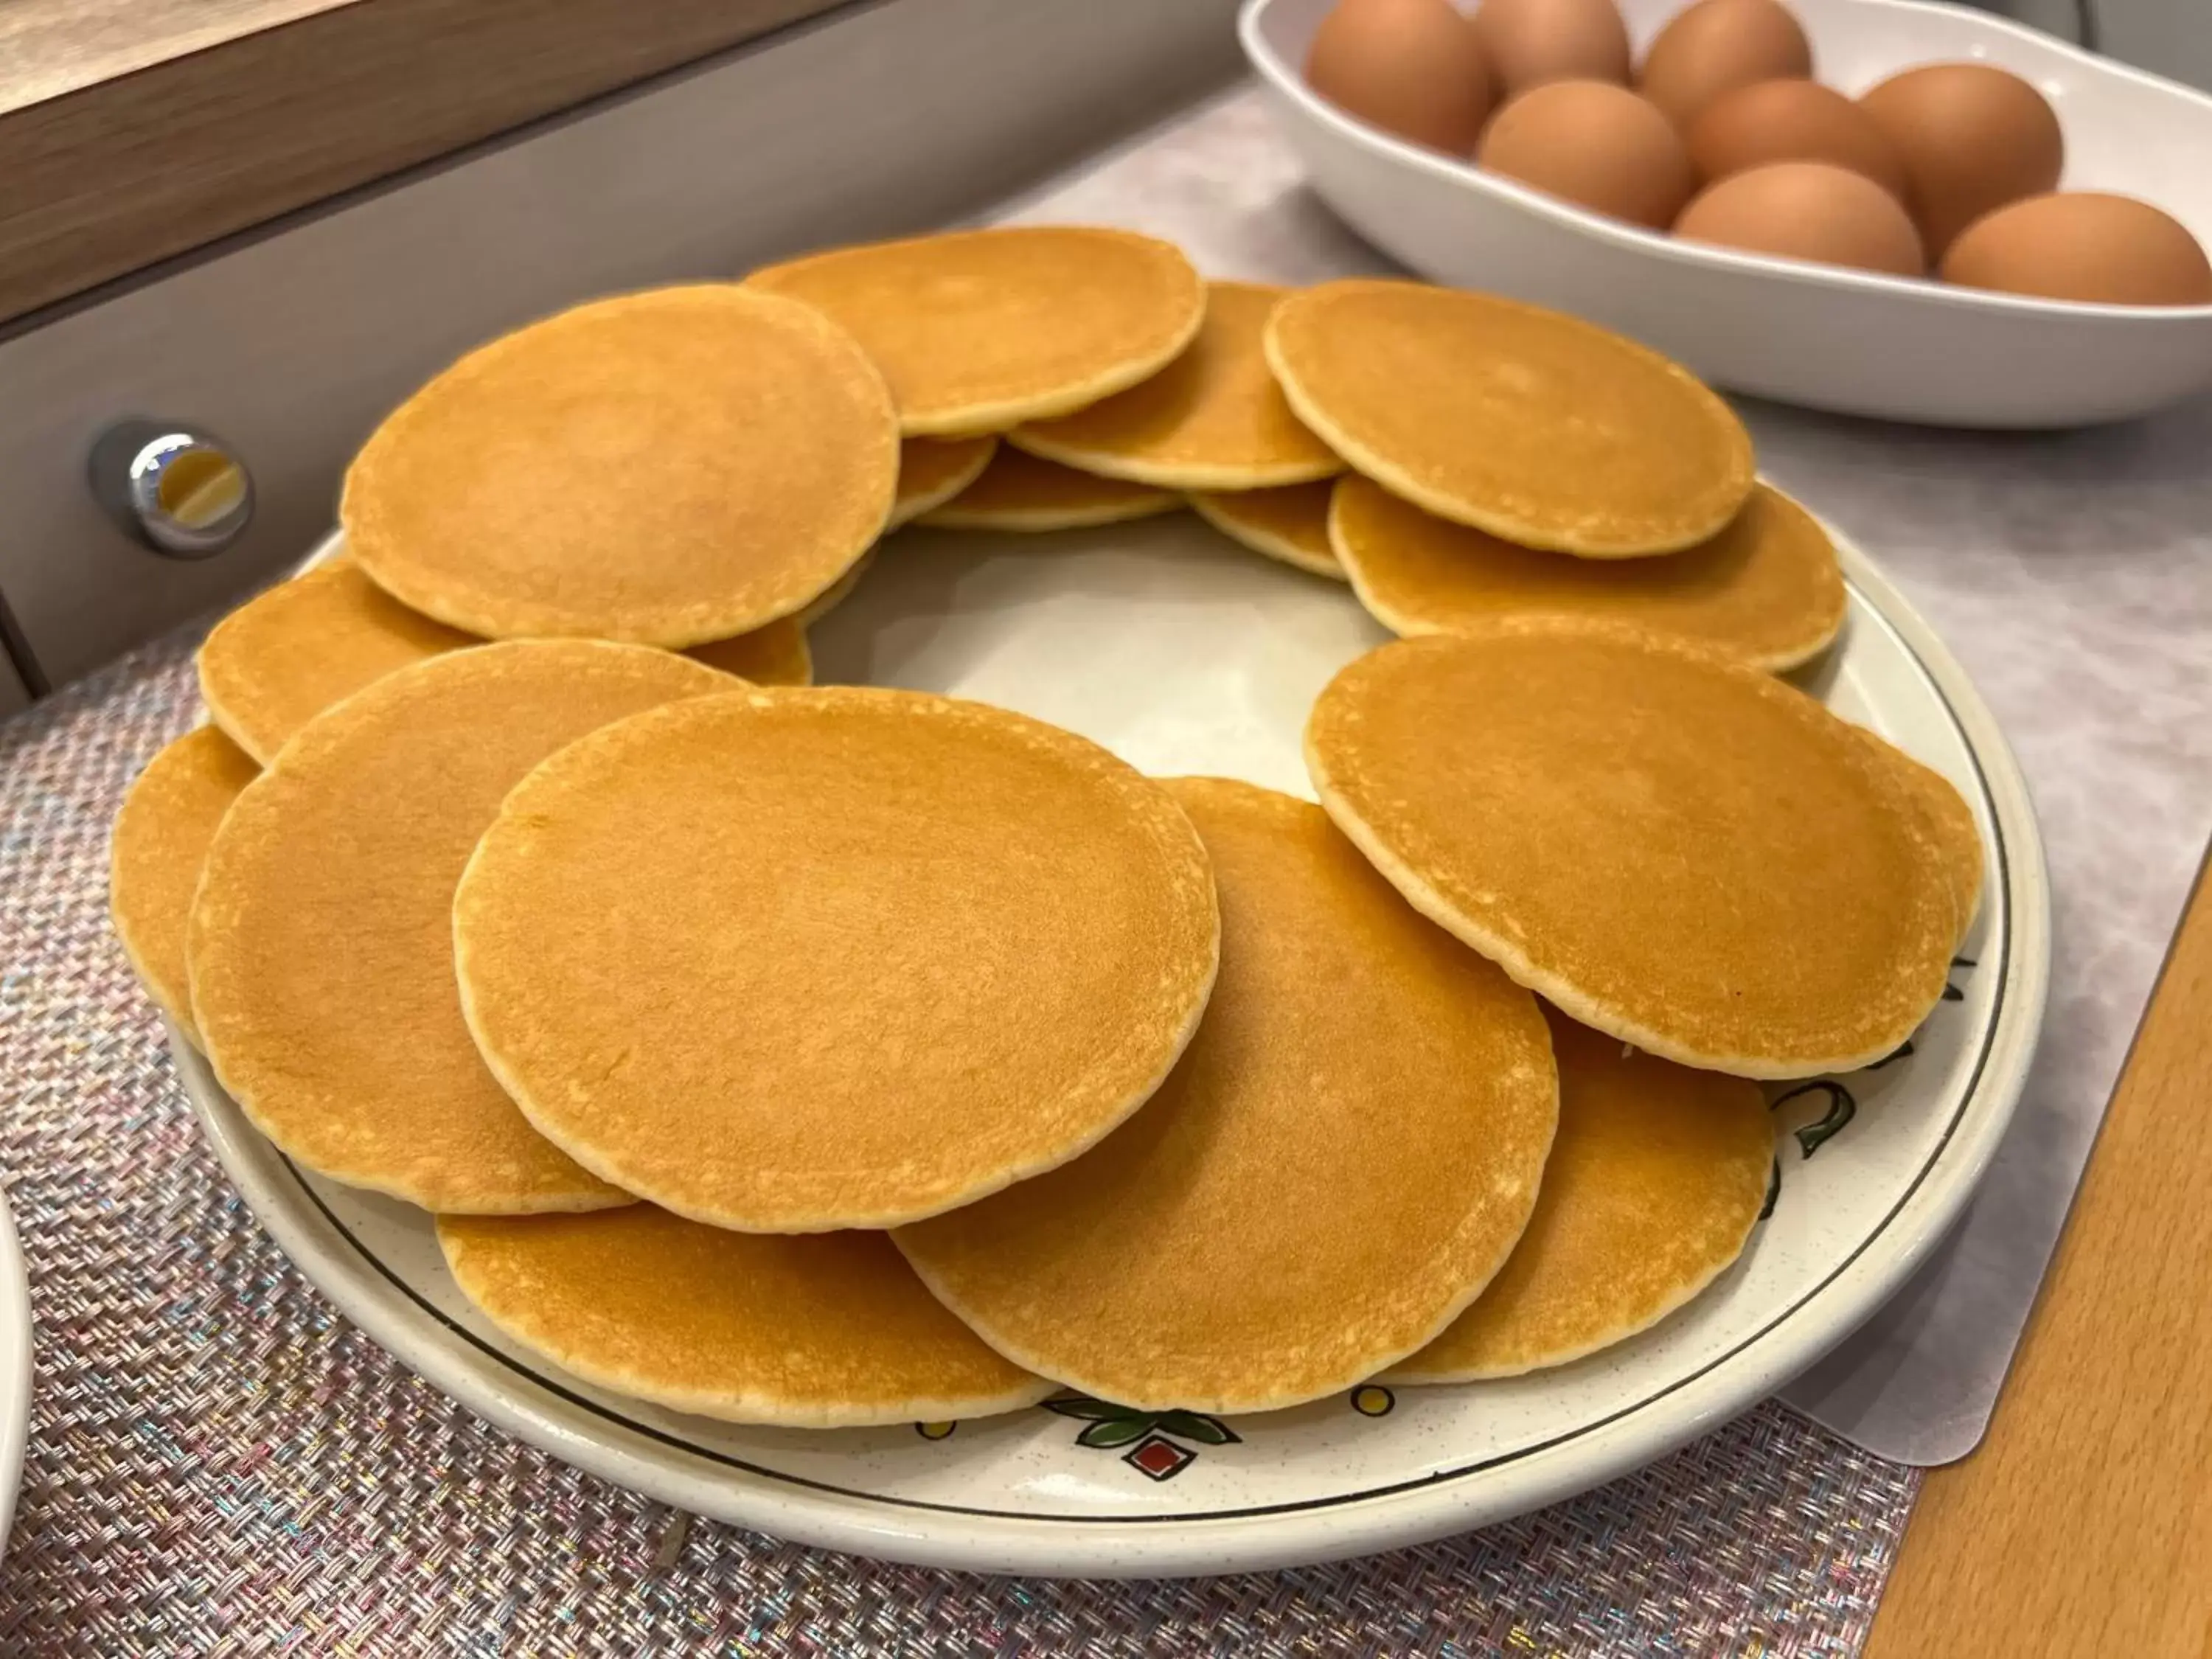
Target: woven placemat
{"points": [[219, 1462]]}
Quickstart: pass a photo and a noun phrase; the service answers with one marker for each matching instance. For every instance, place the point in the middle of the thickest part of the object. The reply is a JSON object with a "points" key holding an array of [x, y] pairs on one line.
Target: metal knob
{"points": [[183, 492]]}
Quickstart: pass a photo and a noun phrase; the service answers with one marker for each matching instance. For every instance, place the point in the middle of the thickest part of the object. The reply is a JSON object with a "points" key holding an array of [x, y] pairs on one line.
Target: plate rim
{"points": [[18, 1379], [543, 1413]]}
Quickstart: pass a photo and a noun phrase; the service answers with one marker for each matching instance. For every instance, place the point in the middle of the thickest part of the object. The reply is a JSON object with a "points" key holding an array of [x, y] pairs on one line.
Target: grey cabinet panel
{"points": [[2172, 38]]}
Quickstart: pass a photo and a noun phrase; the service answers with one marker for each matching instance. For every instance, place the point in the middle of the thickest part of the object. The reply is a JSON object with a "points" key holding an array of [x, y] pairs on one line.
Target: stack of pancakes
{"points": [[824, 1055]]}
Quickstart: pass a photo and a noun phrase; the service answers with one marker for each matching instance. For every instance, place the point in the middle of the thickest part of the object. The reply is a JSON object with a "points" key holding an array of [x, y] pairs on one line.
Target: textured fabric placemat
{"points": [[218, 1461]]}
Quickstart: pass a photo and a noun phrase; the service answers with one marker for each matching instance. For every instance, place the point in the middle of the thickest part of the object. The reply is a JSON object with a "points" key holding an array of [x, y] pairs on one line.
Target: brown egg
{"points": [[1807, 211], [1411, 67], [1596, 144], [1717, 45], [1972, 136], [1530, 42], [1792, 121], [2083, 245]]}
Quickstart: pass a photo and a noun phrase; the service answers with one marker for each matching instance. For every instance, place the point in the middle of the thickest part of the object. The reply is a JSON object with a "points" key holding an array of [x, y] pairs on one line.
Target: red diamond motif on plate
{"points": [[1161, 1460]]}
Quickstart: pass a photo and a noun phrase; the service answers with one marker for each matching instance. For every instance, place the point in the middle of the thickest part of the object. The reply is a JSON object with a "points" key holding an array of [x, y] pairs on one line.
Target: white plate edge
{"points": [[1173, 1545]]}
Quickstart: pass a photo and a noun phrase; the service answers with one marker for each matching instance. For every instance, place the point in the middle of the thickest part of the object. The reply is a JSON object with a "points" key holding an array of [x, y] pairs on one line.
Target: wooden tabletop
{"points": [[2083, 1525], [131, 131]]}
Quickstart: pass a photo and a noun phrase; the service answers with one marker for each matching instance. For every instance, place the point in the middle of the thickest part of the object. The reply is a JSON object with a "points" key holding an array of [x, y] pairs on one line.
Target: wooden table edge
{"points": [[130, 136], [2083, 1523]]}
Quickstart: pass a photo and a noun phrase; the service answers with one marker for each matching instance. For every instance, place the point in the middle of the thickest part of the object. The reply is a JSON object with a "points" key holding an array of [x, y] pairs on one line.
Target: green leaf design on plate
{"points": [[1114, 1431], [1194, 1426], [1095, 1411], [1773, 1190]]}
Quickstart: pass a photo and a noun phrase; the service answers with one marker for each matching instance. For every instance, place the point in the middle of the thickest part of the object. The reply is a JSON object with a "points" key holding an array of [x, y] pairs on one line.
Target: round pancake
{"points": [[1685, 853], [1289, 523], [830, 1331], [288, 654], [1345, 1155], [830, 599], [774, 654], [1539, 427], [932, 470], [1212, 419], [666, 468], [978, 330], [321, 941], [792, 960], [1018, 491], [1766, 590], [1657, 1176], [169, 816], [1949, 823]]}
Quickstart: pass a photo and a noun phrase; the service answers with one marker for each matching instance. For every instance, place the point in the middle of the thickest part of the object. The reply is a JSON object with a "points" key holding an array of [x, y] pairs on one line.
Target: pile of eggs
{"points": [[1721, 135]]}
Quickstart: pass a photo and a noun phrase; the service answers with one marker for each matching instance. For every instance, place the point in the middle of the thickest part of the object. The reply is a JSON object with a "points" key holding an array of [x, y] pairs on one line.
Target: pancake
{"points": [[1949, 825], [776, 654], [932, 470], [1345, 1155], [793, 960], [321, 941], [667, 468], [1017, 491], [1539, 427], [978, 330], [830, 599], [1289, 523], [288, 654], [1766, 590], [1654, 1184], [1212, 419], [1685, 853], [832, 1331], [169, 816]]}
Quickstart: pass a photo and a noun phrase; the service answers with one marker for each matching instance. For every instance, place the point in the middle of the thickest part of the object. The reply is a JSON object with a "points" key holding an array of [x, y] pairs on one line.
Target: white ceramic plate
{"points": [[15, 1370], [1819, 335], [1186, 654]]}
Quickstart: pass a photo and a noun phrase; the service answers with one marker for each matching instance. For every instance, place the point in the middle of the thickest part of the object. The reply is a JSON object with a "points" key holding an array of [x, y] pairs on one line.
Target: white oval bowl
{"points": [[1819, 334]]}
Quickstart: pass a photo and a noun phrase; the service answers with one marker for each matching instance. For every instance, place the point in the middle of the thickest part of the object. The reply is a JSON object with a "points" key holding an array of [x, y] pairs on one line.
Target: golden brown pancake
{"points": [[932, 470], [1657, 1178], [1017, 491], [1212, 419], [288, 654], [169, 816], [1949, 823], [1766, 589], [978, 330], [1289, 523], [291, 651], [1685, 853], [668, 467], [1344, 1157], [1539, 427], [321, 941], [834, 597], [776, 654], [830, 1331], [792, 960]]}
